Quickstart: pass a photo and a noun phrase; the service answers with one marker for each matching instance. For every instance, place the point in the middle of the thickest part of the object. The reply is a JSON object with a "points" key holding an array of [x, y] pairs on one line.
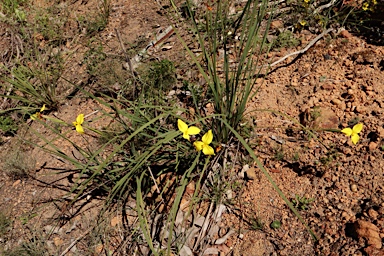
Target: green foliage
{"points": [[5, 223], [302, 203], [257, 223], [98, 21], [329, 157], [7, 125], [157, 78], [13, 7], [32, 87], [285, 39], [276, 224], [18, 164], [230, 86], [32, 248], [279, 153]]}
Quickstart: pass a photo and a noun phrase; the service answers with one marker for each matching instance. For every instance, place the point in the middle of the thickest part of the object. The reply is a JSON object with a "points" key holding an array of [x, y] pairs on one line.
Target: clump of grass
{"points": [[279, 153], [31, 248], [8, 125], [285, 39], [257, 223], [19, 164], [13, 8], [230, 86], [98, 20], [5, 224], [157, 78], [302, 203]]}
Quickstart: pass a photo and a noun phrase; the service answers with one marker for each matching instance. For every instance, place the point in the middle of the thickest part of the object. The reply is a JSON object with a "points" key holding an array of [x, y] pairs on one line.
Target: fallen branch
{"points": [[322, 7], [303, 50]]}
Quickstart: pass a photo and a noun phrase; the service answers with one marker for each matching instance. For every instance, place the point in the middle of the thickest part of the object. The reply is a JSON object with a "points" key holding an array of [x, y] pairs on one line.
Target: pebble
{"points": [[360, 109], [251, 174], [368, 231], [336, 102], [372, 146], [373, 214], [354, 188]]}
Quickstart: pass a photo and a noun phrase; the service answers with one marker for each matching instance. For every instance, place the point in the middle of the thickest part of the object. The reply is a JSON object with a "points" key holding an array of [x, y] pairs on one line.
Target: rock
{"points": [[16, 183], [277, 24], [369, 231], [380, 131], [360, 109], [327, 119], [336, 102], [373, 214], [372, 251], [250, 174], [115, 221], [354, 188], [328, 87], [372, 146], [58, 241], [345, 34]]}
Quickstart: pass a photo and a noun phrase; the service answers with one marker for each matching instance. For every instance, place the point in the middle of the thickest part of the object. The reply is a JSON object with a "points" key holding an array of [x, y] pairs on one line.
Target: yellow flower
{"points": [[79, 121], [204, 144], [353, 132], [307, 1], [365, 6], [38, 115], [303, 23], [183, 127]]}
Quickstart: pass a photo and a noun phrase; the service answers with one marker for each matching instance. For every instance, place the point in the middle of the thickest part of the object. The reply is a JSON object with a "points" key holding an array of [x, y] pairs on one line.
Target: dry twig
{"points": [[303, 50]]}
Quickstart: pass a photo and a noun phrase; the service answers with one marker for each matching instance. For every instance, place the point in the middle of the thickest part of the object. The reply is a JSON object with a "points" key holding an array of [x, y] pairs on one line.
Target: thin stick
{"points": [[127, 59], [303, 50], [75, 242], [157, 188], [322, 7]]}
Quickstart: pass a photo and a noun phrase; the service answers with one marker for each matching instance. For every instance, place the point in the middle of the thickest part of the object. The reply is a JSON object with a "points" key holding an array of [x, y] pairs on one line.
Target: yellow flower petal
{"points": [[357, 128], [347, 131], [208, 150], [79, 128], [198, 145], [208, 137], [42, 108], [183, 127], [355, 138], [193, 130], [80, 119], [186, 136], [34, 116]]}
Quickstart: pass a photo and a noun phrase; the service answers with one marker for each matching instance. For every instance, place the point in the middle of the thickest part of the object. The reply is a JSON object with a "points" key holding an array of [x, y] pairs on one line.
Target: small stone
{"points": [[327, 87], [250, 174], [373, 214], [372, 146], [345, 34], [99, 249], [347, 151], [368, 231], [57, 241], [276, 24], [380, 131], [360, 109], [336, 102], [16, 183], [354, 188], [115, 221]]}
